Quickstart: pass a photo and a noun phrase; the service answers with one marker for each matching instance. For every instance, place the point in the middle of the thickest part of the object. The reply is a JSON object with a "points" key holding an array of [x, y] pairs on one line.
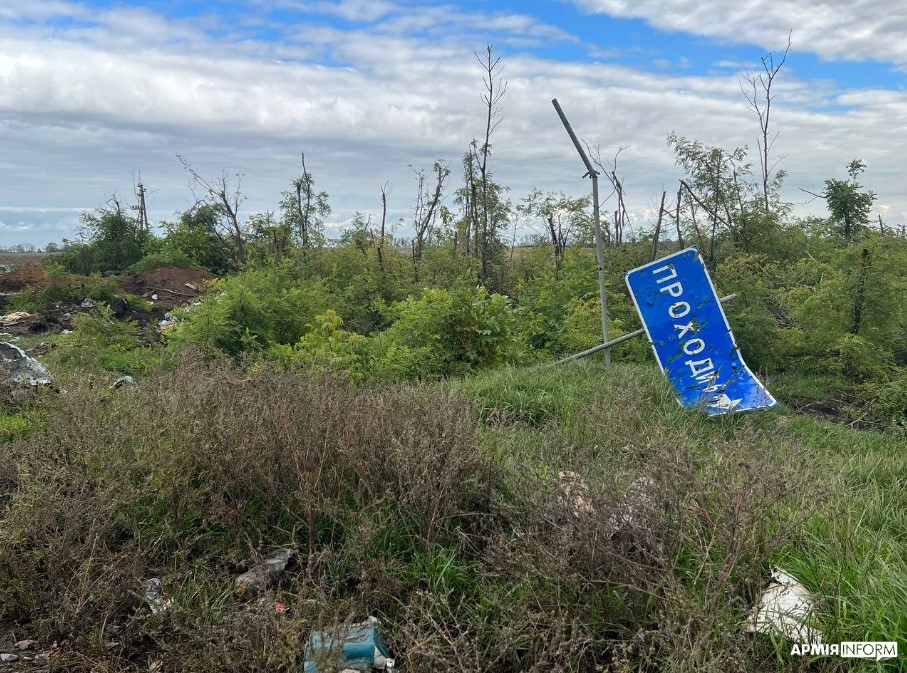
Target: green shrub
{"points": [[138, 303], [161, 259], [101, 341], [252, 311], [458, 330], [889, 404]]}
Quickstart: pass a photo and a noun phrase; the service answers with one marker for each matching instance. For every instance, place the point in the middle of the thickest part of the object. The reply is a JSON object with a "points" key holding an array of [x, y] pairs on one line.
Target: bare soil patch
{"points": [[27, 275], [172, 285]]}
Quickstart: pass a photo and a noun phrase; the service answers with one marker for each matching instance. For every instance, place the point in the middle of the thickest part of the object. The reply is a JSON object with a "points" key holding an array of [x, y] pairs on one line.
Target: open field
{"points": [[14, 259]]}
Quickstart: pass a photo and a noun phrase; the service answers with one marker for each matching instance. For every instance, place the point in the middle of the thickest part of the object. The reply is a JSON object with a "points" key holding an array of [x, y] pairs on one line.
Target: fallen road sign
{"points": [[690, 335]]}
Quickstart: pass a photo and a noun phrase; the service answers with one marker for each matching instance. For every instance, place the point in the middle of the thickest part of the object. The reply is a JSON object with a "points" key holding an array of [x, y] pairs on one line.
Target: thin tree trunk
{"points": [[661, 210]]}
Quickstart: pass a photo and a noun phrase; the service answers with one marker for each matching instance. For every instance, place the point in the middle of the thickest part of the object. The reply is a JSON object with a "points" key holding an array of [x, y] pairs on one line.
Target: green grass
{"points": [[446, 518], [14, 425], [851, 550]]}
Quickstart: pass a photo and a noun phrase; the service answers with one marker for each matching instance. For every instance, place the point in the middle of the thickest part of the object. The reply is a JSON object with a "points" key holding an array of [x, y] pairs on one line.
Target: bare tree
{"points": [[428, 199], [495, 88], [226, 200], [620, 214], [661, 212], [757, 88], [385, 190]]}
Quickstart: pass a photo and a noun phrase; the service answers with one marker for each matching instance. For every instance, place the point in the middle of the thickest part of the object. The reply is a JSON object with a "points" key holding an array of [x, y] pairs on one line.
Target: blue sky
{"points": [[96, 94]]}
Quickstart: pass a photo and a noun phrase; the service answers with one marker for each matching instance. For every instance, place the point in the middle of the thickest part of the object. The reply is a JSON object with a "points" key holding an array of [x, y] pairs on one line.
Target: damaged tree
{"points": [[565, 219], [428, 199], [757, 89], [495, 88], [226, 201], [304, 209]]}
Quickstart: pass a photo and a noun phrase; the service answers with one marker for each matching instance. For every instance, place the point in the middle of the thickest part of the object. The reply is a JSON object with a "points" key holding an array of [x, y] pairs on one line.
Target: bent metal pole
{"points": [[608, 345], [596, 216]]}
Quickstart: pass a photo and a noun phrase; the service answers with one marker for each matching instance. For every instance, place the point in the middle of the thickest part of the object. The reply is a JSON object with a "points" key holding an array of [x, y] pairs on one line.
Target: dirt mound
{"points": [[172, 285], [26, 275]]}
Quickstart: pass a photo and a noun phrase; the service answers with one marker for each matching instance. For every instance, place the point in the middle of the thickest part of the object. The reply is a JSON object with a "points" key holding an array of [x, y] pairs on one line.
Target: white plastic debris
{"points": [[89, 303], [261, 574], [168, 322], [632, 512], [19, 367], [122, 381], [9, 657], [573, 491], [155, 596], [785, 609], [14, 318]]}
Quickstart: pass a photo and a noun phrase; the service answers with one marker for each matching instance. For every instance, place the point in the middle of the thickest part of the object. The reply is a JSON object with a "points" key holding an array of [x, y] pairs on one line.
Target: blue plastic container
{"points": [[359, 647]]}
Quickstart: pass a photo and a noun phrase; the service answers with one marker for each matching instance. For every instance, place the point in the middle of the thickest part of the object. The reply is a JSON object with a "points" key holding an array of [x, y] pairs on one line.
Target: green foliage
{"points": [[889, 402], [195, 241], [113, 241], [460, 330], [159, 259], [327, 347], [252, 311], [102, 342], [303, 210], [14, 425], [441, 333], [848, 204], [138, 303]]}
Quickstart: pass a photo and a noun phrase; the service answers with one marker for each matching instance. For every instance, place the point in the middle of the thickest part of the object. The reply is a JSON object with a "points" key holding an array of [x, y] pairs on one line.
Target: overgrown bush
{"points": [[548, 561], [252, 311]]}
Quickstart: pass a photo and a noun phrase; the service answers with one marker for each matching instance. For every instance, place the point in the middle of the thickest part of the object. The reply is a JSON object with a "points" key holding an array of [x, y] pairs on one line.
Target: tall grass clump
{"points": [[599, 534]]}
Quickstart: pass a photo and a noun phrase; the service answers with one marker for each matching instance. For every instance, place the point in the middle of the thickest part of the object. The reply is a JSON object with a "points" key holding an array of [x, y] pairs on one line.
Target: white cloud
{"points": [[833, 29], [82, 112]]}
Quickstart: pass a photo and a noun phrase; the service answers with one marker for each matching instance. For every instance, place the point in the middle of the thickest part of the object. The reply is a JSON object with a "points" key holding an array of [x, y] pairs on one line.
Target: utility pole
{"points": [[143, 212], [596, 216]]}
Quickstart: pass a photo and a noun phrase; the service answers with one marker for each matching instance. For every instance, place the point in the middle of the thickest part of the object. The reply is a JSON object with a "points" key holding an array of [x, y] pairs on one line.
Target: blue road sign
{"points": [[691, 337]]}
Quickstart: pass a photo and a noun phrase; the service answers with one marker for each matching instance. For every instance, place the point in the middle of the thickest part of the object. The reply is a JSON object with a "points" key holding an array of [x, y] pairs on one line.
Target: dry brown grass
{"points": [[396, 509]]}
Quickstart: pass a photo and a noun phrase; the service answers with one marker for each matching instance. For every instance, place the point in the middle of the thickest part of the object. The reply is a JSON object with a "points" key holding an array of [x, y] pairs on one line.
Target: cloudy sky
{"points": [[96, 95]]}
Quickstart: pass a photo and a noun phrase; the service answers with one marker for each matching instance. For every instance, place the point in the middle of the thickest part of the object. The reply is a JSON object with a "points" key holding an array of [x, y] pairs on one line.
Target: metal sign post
{"points": [[596, 216], [689, 332]]}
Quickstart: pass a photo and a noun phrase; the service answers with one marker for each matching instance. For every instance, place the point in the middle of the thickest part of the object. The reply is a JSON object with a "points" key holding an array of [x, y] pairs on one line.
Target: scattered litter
{"points": [[16, 318], [358, 647], [785, 609], [277, 605], [17, 367], [157, 600], [9, 657], [24, 645], [633, 511], [261, 574], [573, 491], [167, 323], [89, 303], [41, 348], [123, 381], [154, 297], [66, 331], [191, 286]]}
